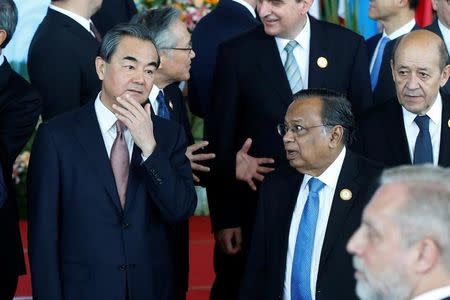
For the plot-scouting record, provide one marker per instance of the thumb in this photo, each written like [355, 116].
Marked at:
[247, 145]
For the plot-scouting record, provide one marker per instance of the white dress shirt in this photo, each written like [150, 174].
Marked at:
[445, 34]
[2, 58]
[326, 195]
[152, 98]
[77, 18]
[301, 52]
[399, 32]
[107, 121]
[436, 294]
[412, 130]
[248, 6]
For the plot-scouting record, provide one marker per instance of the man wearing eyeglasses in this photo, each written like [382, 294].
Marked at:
[441, 26]
[308, 209]
[174, 44]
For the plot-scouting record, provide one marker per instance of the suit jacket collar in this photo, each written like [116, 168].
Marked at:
[90, 137]
[318, 48]
[444, 147]
[5, 74]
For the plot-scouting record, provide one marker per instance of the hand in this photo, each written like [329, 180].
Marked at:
[249, 168]
[229, 240]
[138, 121]
[198, 157]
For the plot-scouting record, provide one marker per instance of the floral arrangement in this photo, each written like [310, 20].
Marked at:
[191, 10]
[20, 167]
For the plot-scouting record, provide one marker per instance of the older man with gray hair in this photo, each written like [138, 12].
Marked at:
[402, 248]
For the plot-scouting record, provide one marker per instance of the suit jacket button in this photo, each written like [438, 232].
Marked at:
[125, 225]
[123, 267]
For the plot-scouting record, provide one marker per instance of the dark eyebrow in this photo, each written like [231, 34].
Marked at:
[130, 58]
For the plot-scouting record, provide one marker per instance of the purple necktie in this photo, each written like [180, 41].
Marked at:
[94, 30]
[120, 162]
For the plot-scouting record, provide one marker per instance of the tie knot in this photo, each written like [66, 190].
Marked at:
[291, 46]
[120, 127]
[315, 185]
[384, 40]
[160, 97]
[423, 122]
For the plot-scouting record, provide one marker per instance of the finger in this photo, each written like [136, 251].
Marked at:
[118, 110]
[198, 167]
[265, 160]
[258, 177]
[147, 109]
[264, 170]
[202, 156]
[198, 145]
[196, 179]
[251, 184]
[246, 146]
[129, 104]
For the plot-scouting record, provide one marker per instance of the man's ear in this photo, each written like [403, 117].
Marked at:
[336, 136]
[3, 36]
[445, 75]
[100, 66]
[428, 254]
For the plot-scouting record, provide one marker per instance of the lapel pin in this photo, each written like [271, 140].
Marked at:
[171, 105]
[448, 123]
[322, 62]
[345, 194]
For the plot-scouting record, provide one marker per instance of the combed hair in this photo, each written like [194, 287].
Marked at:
[336, 110]
[442, 49]
[113, 37]
[426, 213]
[8, 19]
[158, 22]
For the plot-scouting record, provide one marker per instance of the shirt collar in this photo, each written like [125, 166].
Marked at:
[401, 31]
[331, 175]
[106, 118]
[77, 18]
[445, 33]
[248, 6]
[2, 58]
[435, 112]
[436, 294]
[303, 38]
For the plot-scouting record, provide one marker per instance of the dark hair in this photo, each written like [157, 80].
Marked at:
[113, 37]
[413, 4]
[158, 22]
[442, 49]
[8, 19]
[336, 110]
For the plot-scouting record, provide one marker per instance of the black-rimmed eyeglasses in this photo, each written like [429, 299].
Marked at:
[296, 129]
[189, 49]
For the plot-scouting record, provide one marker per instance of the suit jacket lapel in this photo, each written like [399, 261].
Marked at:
[340, 208]
[90, 137]
[270, 64]
[133, 177]
[444, 147]
[317, 49]
[395, 131]
[71, 25]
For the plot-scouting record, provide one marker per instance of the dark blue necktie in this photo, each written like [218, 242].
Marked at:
[304, 245]
[423, 151]
[3, 190]
[377, 63]
[163, 111]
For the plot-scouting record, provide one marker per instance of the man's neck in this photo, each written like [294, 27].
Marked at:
[397, 22]
[161, 81]
[75, 7]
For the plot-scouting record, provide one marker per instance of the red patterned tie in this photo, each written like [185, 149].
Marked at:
[94, 30]
[120, 162]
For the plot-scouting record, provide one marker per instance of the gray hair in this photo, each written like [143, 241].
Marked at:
[158, 22]
[426, 213]
[336, 110]
[8, 19]
[114, 36]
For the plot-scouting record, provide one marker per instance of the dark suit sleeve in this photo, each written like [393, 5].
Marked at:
[169, 179]
[360, 92]
[59, 84]
[43, 222]
[223, 204]
[254, 282]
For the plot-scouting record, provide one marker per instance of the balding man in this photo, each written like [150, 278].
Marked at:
[416, 127]
[402, 248]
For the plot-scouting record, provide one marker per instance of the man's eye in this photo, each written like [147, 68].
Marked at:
[298, 128]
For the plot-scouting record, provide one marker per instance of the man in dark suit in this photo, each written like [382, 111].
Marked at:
[112, 13]
[100, 228]
[252, 92]
[441, 26]
[397, 18]
[392, 133]
[229, 19]
[401, 250]
[19, 111]
[62, 54]
[173, 40]
[292, 255]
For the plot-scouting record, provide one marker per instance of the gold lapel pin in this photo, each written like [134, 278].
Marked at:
[448, 123]
[322, 62]
[171, 105]
[345, 194]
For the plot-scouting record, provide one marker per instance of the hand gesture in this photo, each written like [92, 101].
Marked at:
[229, 240]
[194, 158]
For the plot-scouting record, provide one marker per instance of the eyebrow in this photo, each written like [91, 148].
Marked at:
[133, 59]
